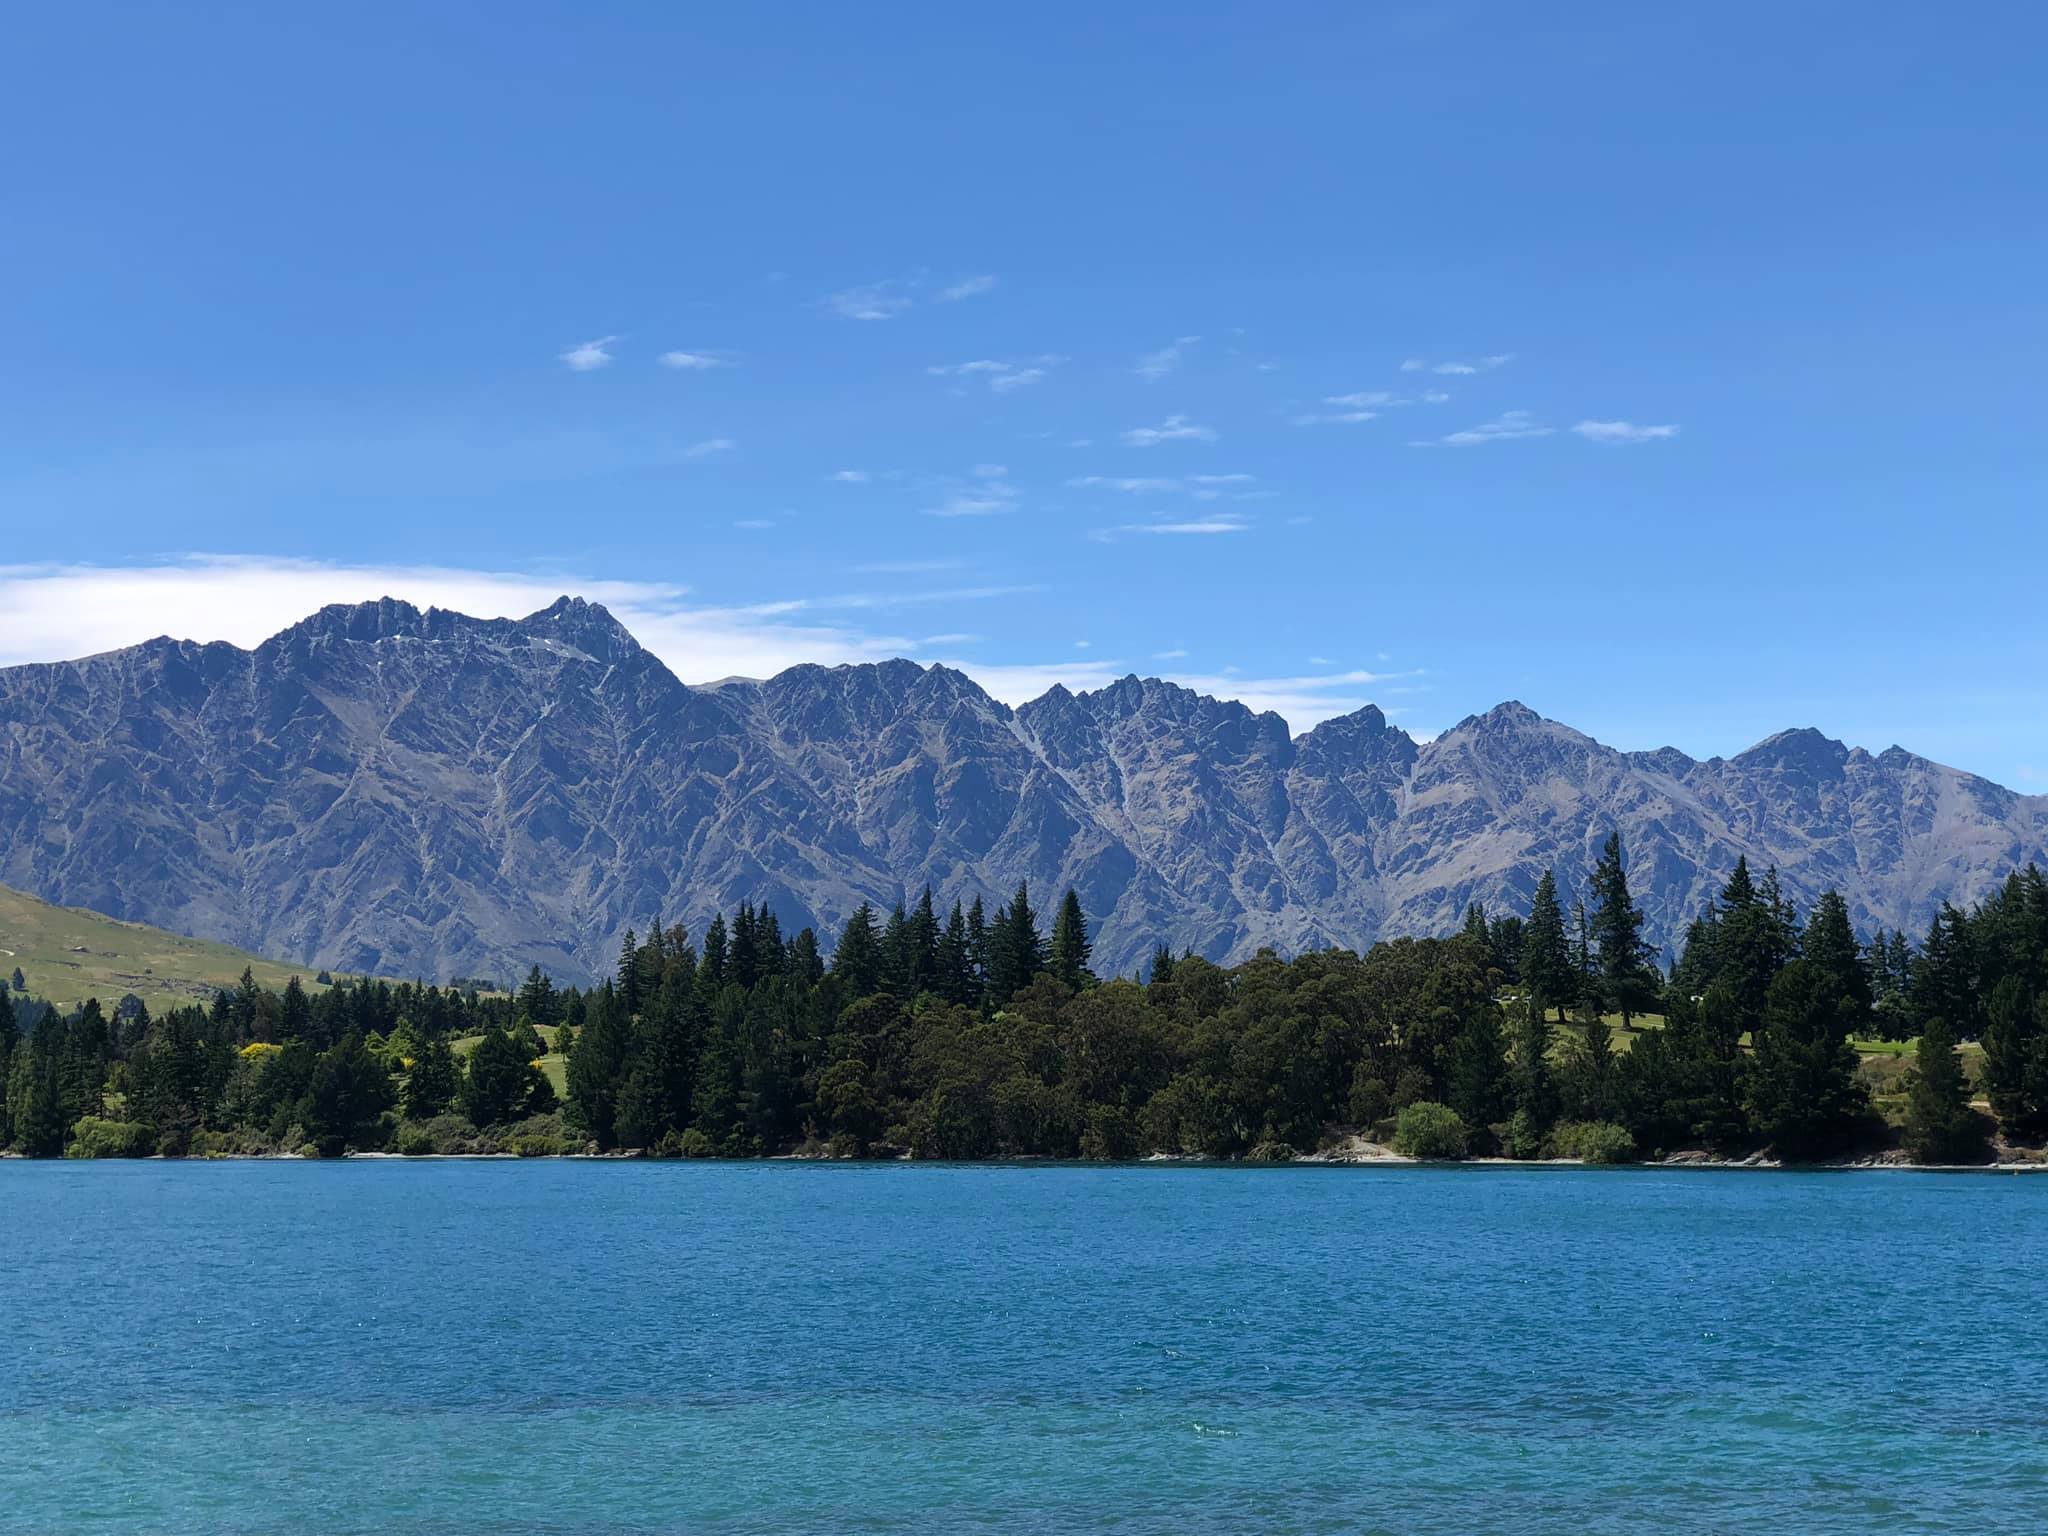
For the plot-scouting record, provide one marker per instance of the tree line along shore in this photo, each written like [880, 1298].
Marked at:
[978, 1034]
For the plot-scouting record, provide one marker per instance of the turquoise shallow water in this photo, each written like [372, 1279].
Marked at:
[628, 1348]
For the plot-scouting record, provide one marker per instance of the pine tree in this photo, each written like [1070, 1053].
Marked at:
[1070, 944]
[2016, 1060]
[857, 961]
[431, 1085]
[978, 951]
[346, 1099]
[711, 965]
[1586, 990]
[1945, 975]
[1940, 1125]
[494, 1092]
[537, 998]
[1546, 953]
[743, 961]
[1535, 1085]
[1016, 949]
[1804, 1094]
[1475, 926]
[294, 1013]
[898, 963]
[597, 1066]
[1830, 944]
[805, 967]
[924, 945]
[1627, 977]
[1477, 1082]
[1162, 963]
[954, 960]
[628, 979]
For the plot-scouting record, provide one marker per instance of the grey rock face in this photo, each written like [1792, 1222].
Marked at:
[381, 789]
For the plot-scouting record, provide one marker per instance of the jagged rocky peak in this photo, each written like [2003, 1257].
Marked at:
[1803, 750]
[588, 627]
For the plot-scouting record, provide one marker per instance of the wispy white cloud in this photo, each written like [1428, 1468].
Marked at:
[694, 362]
[872, 301]
[966, 288]
[1195, 528]
[1362, 399]
[1201, 487]
[587, 356]
[754, 522]
[709, 446]
[1332, 418]
[1622, 432]
[1157, 365]
[1434, 397]
[1174, 429]
[978, 495]
[850, 476]
[1483, 365]
[1508, 424]
[1002, 376]
[1173, 655]
[1084, 645]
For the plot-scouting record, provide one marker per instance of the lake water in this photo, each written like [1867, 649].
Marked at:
[477, 1348]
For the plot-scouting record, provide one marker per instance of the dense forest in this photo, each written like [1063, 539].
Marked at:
[976, 1035]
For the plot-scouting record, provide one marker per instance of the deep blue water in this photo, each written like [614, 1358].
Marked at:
[479, 1348]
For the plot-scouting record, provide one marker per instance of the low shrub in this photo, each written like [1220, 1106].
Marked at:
[1430, 1130]
[696, 1144]
[1270, 1152]
[1594, 1141]
[94, 1137]
[415, 1141]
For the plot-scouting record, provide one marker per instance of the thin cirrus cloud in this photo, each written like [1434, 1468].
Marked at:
[1192, 528]
[709, 446]
[588, 356]
[1157, 365]
[1623, 432]
[1002, 376]
[966, 288]
[983, 492]
[694, 362]
[872, 301]
[56, 612]
[1201, 487]
[1483, 365]
[1175, 429]
[1507, 425]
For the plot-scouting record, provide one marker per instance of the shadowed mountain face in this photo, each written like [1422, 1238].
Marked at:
[381, 789]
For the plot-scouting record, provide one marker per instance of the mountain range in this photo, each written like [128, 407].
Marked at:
[381, 789]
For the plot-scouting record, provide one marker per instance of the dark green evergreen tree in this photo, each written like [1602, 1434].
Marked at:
[1070, 944]
[1477, 1082]
[495, 1090]
[1805, 1098]
[1628, 980]
[1535, 1083]
[597, 1067]
[857, 961]
[1940, 1125]
[345, 1099]
[433, 1081]
[1547, 969]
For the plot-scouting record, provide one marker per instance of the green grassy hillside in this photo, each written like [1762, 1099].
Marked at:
[67, 954]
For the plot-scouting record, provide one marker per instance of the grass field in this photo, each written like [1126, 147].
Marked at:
[67, 954]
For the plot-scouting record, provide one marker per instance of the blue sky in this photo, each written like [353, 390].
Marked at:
[1676, 372]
